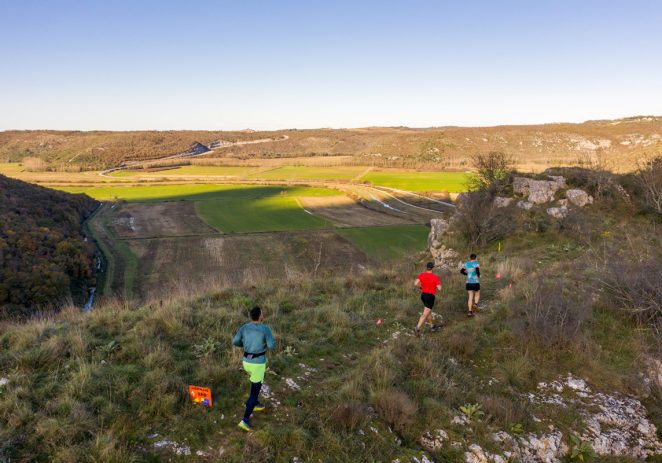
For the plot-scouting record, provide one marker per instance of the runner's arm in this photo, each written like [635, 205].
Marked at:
[271, 342]
[237, 340]
[463, 271]
[417, 283]
[478, 271]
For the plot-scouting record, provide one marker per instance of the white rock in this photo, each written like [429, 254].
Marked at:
[292, 384]
[538, 191]
[524, 205]
[4, 381]
[433, 442]
[557, 212]
[579, 197]
[501, 201]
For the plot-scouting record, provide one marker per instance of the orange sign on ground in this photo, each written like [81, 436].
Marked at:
[200, 395]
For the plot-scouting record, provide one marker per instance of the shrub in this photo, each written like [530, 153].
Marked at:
[492, 172]
[636, 288]
[649, 181]
[555, 313]
[480, 222]
[395, 408]
[349, 415]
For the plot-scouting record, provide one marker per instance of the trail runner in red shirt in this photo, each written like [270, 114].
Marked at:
[429, 284]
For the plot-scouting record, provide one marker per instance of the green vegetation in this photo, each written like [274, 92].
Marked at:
[453, 182]
[388, 243]
[272, 213]
[109, 385]
[44, 259]
[230, 171]
[310, 173]
[192, 192]
[8, 168]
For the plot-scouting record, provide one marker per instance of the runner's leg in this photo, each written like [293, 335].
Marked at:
[470, 302]
[426, 313]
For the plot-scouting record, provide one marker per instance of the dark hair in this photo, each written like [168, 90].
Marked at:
[430, 265]
[472, 256]
[255, 313]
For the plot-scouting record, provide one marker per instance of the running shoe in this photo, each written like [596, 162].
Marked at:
[470, 314]
[475, 308]
[434, 328]
[418, 332]
[245, 426]
[259, 408]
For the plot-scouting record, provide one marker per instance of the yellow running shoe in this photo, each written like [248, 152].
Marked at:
[259, 408]
[245, 426]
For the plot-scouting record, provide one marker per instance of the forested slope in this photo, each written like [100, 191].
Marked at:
[44, 259]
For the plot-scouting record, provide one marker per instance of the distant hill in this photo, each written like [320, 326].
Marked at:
[617, 144]
[44, 259]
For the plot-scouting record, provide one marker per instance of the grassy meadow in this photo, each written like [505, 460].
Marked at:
[453, 182]
[388, 243]
[111, 385]
[191, 192]
[272, 213]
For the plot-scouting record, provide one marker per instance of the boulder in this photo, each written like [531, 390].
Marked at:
[558, 212]
[538, 191]
[524, 205]
[501, 201]
[445, 258]
[461, 200]
[438, 228]
[579, 197]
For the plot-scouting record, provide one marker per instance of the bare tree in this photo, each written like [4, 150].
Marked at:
[480, 222]
[649, 179]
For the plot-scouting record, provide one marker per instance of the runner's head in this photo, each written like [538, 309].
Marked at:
[430, 266]
[473, 257]
[256, 314]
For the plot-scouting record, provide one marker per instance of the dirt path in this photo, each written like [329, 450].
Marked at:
[365, 172]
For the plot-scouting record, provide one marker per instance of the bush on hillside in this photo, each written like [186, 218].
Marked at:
[554, 313]
[480, 222]
[636, 288]
[492, 172]
[649, 182]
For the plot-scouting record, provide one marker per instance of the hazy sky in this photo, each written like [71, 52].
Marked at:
[145, 64]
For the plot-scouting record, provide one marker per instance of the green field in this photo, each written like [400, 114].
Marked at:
[220, 171]
[388, 243]
[8, 168]
[310, 173]
[272, 213]
[453, 182]
[193, 192]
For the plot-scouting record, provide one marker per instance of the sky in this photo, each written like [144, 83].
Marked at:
[222, 65]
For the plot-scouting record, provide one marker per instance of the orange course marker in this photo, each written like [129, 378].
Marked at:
[200, 395]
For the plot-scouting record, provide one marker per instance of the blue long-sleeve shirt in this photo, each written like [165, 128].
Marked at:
[255, 338]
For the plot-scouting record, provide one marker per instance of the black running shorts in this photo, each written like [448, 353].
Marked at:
[473, 286]
[428, 300]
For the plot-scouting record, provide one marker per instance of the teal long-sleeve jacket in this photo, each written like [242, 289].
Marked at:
[255, 338]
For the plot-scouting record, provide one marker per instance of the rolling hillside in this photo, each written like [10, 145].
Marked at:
[618, 144]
